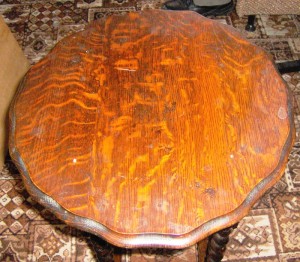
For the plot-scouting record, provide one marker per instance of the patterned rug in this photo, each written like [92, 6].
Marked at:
[29, 232]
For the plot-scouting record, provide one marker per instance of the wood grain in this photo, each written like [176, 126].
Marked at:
[152, 126]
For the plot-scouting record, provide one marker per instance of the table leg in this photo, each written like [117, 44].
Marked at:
[251, 23]
[117, 257]
[202, 247]
[118, 252]
[217, 244]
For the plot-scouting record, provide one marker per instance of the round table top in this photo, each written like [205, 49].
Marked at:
[154, 128]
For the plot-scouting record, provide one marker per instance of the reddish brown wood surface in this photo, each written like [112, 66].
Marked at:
[152, 126]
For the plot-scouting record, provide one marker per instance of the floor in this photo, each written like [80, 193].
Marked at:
[28, 232]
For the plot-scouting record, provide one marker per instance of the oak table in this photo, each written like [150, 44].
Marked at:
[152, 129]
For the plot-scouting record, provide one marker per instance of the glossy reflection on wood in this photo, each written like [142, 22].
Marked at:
[150, 127]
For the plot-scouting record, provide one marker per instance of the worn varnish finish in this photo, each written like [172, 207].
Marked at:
[155, 128]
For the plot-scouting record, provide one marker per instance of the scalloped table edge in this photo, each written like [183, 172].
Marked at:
[153, 240]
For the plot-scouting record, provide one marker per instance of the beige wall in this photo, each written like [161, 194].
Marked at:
[13, 66]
